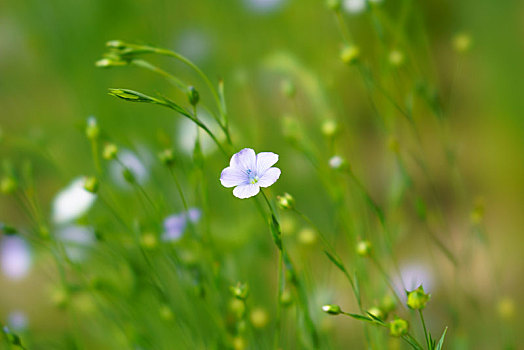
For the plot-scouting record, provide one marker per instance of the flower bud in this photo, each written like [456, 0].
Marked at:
[398, 327]
[110, 151]
[166, 313]
[167, 157]
[388, 304]
[307, 236]
[350, 54]
[8, 185]
[91, 184]
[396, 58]
[288, 88]
[364, 248]
[506, 308]
[149, 240]
[193, 96]
[286, 201]
[332, 309]
[418, 299]
[377, 312]
[92, 129]
[259, 317]
[334, 5]
[286, 298]
[240, 291]
[116, 44]
[462, 42]
[107, 62]
[329, 128]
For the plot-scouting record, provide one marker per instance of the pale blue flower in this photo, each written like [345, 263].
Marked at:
[247, 172]
[175, 225]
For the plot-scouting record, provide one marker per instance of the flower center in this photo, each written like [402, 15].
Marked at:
[252, 176]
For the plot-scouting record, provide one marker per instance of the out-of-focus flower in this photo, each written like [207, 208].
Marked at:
[354, 6]
[337, 162]
[414, 275]
[17, 320]
[247, 172]
[195, 44]
[72, 202]
[175, 225]
[264, 6]
[187, 134]
[15, 257]
[76, 240]
[133, 164]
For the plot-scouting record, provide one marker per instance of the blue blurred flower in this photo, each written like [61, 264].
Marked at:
[247, 172]
[15, 257]
[175, 225]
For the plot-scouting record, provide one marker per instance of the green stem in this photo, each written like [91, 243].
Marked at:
[428, 342]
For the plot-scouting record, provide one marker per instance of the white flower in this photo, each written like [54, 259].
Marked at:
[336, 162]
[133, 163]
[355, 6]
[76, 240]
[72, 202]
[15, 257]
[247, 172]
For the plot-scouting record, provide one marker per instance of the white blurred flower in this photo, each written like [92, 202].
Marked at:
[336, 162]
[15, 257]
[264, 6]
[133, 163]
[195, 44]
[17, 320]
[413, 275]
[72, 202]
[187, 134]
[354, 6]
[76, 240]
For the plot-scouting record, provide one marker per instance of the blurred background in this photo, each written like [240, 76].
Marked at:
[49, 86]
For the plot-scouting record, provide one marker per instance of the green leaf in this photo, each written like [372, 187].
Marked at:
[335, 260]
[441, 341]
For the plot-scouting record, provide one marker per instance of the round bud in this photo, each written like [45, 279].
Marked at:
[329, 128]
[364, 248]
[307, 236]
[398, 327]
[388, 303]
[332, 309]
[149, 240]
[377, 312]
[417, 299]
[259, 317]
[92, 129]
[350, 54]
[91, 184]
[396, 58]
[166, 313]
[240, 291]
[334, 5]
[110, 151]
[193, 96]
[167, 157]
[8, 185]
[286, 201]
[286, 298]
[462, 42]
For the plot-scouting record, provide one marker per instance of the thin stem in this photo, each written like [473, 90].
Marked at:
[428, 342]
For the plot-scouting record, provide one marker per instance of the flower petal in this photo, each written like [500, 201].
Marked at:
[232, 176]
[244, 160]
[269, 177]
[246, 191]
[265, 160]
